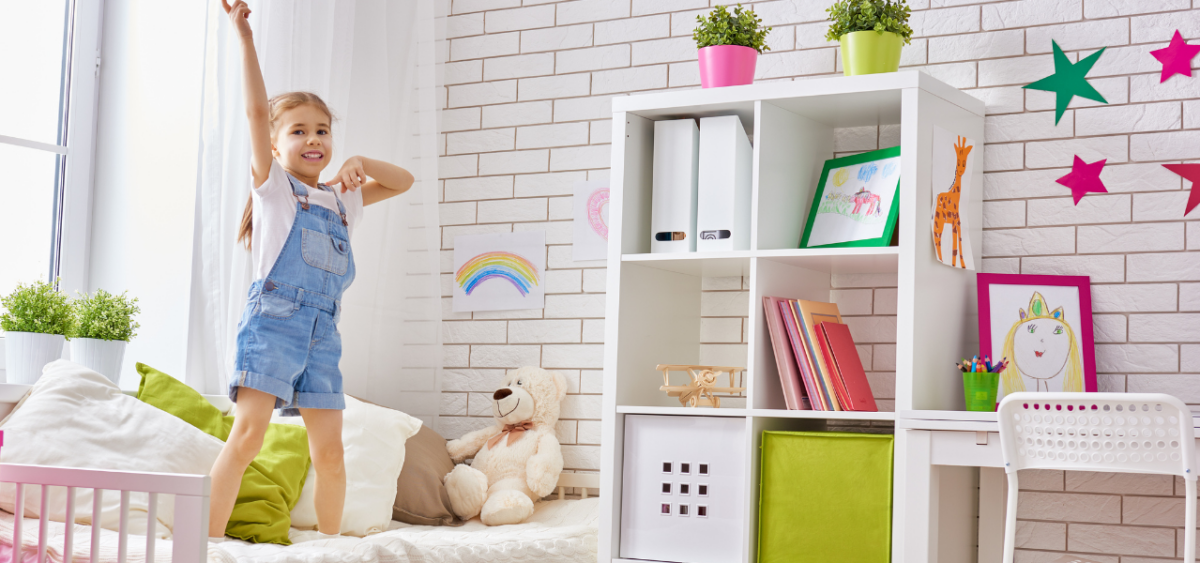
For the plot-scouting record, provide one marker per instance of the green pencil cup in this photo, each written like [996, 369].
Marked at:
[979, 390]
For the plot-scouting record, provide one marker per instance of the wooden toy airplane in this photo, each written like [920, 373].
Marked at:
[700, 392]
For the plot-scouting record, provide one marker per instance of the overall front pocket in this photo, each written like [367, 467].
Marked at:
[276, 306]
[325, 252]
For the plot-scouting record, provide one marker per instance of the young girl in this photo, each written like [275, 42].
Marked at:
[298, 230]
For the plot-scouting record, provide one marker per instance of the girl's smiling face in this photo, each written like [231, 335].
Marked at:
[303, 141]
[1042, 347]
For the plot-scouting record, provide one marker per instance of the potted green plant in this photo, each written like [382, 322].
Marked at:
[871, 33]
[35, 321]
[103, 326]
[729, 44]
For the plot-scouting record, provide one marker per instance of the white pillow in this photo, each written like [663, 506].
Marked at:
[75, 417]
[374, 439]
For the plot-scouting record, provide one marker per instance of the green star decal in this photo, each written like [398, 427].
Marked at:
[1069, 80]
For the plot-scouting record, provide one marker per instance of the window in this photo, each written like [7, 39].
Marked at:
[46, 138]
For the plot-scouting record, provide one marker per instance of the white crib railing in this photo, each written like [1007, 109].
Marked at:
[190, 534]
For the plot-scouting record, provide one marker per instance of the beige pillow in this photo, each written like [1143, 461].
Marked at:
[421, 497]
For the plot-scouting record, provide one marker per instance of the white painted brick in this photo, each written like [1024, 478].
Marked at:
[629, 79]
[1017, 70]
[514, 314]
[633, 29]
[566, 431]
[1127, 540]
[1128, 119]
[1137, 358]
[1078, 36]
[1003, 214]
[1111, 8]
[856, 139]
[1133, 298]
[949, 21]
[1191, 114]
[561, 281]
[457, 166]
[795, 63]
[541, 136]
[1163, 206]
[1163, 267]
[462, 26]
[1002, 99]
[852, 301]
[463, 72]
[560, 208]
[1041, 535]
[958, 75]
[1024, 13]
[975, 46]
[599, 175]
[783, 12]
[1093, 208]
[514, 162]
[723, 355]
[456, 213]
[518, 66]
[1042, 480]
[670, 50]
[509, 210]
[889, 135]
[554, 183]
[593, 330]
[474, 332]
[481, 46]
[1147, 88]
[521, 18]
[862, 280]
[453, 404]
[885, 301]
[577, 158]
[1027, 127]
[1175, 327]
[480, 404]
[601, 132]
[883, 357]
[1161, 27]
[449, 233]
[455, 356]
[487, 140]
[720, 330]
[781, 39]
[1069, 507]
[1047, 154]
[594, 281]
[586, 458]
[484, 187]
[1113, 90]
[872, 329]
[1001, 265]
[544, 331]
[682, 23]
[507, 356]
[483, 93]
[1003, 157]
[1026, 242]
[598, 107]
[556, 38]
[581, 406]
[1193, 236]
[589, 432]
[812, 35]
[464, 6]
[721, 283]
[1125, 60]
[591, 381]
[575, 306]
[581, 11]
[724, 303]
[557, 232]
[643, 7]
[549, 87]
[524, 113]
[452, 427]
[1189, 297]
[1178, 145]
[596, 58]
[459, 119]
[1109, 328]
[465, 380]
[573, 356]
[1189, 357]
[1136, 237]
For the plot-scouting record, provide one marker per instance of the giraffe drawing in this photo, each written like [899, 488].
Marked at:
[946, 210]
[869, 199]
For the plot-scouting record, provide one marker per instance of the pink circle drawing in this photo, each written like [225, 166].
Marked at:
[595, 205]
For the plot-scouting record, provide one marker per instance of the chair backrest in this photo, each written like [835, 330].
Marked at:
[1117, 432]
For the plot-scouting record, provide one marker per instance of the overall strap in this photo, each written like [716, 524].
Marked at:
[341, 208]
[300, 191]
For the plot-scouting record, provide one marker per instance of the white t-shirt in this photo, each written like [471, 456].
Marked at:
[275, 211]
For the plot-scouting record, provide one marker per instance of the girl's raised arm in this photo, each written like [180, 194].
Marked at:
[257, 109]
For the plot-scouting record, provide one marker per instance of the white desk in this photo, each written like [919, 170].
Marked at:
[936, 456]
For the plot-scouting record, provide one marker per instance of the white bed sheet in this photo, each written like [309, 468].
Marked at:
[560, 531]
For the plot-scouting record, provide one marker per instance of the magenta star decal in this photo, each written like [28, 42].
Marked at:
[1084, 178]
[1191, 173]
[1176, 58]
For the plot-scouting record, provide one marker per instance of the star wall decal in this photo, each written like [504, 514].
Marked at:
[1084, 178]
[1176, 58]
[1191, 173]
[1069, 80]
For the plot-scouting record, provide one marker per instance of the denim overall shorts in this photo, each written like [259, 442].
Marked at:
[288, 343]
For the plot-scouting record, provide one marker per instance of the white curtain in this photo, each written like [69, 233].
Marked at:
[377, 64]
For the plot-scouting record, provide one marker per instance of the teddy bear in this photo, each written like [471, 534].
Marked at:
[517, 459]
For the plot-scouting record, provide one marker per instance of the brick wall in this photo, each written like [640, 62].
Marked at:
[528, 93]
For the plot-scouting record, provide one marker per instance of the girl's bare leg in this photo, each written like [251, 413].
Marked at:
[245, 440]
[325, 447]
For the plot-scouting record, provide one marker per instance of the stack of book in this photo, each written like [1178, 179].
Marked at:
[816, 357]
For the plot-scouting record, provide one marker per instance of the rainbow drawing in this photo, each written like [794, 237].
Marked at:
[595, 205]
[497, 265]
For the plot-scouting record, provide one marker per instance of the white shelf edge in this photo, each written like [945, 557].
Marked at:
[971, 416]
[680, 411]
[768, 253]
[664, 256]
[828, 415]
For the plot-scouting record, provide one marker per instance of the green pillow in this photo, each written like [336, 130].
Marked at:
[271, 485]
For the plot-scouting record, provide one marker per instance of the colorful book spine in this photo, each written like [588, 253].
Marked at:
[789, 372]
[817, 394]
[839, 385]
[813, 350]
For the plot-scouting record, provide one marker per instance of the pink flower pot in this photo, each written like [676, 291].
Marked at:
[727, 65]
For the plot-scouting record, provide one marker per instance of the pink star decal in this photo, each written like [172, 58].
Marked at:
[1084, 178]
[1191, 173]
[1176, 58]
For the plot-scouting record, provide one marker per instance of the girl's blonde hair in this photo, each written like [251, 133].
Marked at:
[278, 105]
[1073, 378]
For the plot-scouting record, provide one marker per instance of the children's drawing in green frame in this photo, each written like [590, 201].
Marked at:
[855, 203]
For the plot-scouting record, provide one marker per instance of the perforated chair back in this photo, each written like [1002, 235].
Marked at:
[1112, 432]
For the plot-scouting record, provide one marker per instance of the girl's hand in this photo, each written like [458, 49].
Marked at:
[351, 176]
[238, 14]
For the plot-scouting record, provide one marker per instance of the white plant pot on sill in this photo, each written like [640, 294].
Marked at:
[26, 353]
[101, 356]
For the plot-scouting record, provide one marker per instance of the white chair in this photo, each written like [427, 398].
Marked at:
[1115, 432]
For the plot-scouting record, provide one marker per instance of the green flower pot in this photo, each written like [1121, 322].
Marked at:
[979, 390]
[870, 52]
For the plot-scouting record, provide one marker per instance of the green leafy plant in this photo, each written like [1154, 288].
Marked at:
[879, 16]
[722, 27]
[105, 316]
[38, 307]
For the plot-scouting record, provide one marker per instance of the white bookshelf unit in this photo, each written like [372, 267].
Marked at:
[653, 301]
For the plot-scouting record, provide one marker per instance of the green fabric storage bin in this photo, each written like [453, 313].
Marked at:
[825, 497]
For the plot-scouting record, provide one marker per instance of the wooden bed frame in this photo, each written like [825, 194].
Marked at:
[190, 537]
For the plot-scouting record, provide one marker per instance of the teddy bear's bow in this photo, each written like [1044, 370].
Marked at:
[514, 432]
